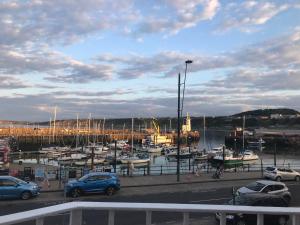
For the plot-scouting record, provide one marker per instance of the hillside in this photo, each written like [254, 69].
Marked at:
[267, 112]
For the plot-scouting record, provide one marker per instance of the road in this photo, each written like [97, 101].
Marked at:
[191, 194]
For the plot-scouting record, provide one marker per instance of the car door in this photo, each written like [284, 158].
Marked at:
[289, 174]
[277, 189]
[8, 189]
[91, 184]
[103, 182]
[282, 173]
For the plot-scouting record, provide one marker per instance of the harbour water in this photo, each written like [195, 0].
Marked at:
[160, 164]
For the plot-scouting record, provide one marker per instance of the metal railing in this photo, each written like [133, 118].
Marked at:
[75, 211]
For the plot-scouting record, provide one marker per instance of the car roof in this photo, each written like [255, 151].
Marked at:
[6, 177]
[279, 167]
[102, 173]
[269, 182]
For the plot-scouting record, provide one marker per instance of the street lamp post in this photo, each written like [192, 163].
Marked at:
[178, 131]
[179, 115]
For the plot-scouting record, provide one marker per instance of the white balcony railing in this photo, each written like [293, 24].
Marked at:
[75, 210]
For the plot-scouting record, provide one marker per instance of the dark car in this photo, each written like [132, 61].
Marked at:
[257, 199]
[96, 182]
[12, 188]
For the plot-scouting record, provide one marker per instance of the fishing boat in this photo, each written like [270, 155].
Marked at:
[227, 159]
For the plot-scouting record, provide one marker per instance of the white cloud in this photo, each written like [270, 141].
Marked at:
[185, 14]
[60, 20]
[247, 16]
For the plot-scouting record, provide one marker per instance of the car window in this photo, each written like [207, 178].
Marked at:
[5, 183]
[268, 188]
[255, 186]
[104, 177]
[92, 178]
[277, 187]
[288, 170]
[281, 169]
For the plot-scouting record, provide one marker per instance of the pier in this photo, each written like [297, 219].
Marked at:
[44, 135]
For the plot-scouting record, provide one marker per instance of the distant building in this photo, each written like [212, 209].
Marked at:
[187, 127]
[280, 116]
[276, 116]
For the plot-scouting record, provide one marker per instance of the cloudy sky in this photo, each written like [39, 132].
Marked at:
[122, 58]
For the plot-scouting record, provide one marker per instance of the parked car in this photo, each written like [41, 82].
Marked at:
[268, 187]
[279, 174]
[12, 187]
[96, 182]
[256, 199]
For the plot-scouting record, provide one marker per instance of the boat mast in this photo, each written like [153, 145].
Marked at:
[89, 129]
[204, 134]
[103, 127]
[50, 130]
[244, 133]
[54, 120]
[132, 135]
[77, 131]
[123, 132]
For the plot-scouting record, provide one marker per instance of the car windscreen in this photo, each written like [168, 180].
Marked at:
[84, 177]
[18, 181]
[270, 168]
[255, 186]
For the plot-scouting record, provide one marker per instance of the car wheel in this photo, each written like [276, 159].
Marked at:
[278, 179]
[110, 191]
[76, 192]
[297, 178]
[282, 220]
[25, 195]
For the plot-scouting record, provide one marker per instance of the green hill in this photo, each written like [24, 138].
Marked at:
[267, 112]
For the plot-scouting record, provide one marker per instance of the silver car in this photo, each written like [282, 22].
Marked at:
[282, 173]
[268, 187]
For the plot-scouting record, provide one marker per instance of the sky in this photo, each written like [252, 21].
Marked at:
[121, 59]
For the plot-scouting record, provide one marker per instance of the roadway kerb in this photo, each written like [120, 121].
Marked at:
[168, 180]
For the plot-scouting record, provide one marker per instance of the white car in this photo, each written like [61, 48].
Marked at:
[279, 174]
[268, 187]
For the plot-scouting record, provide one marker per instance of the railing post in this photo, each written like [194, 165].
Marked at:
[260, 219]
[148, 217]
[39, 221]
[295, 219]
[193, 167]
[111, 217]
[186, 218]
[222, 218]
[76, 217]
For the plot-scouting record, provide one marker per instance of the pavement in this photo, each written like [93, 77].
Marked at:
[160, 180]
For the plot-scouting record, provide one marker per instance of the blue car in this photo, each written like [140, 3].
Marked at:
[12, 188]
[96, 182]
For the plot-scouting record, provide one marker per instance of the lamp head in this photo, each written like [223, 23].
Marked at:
[188, 61]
